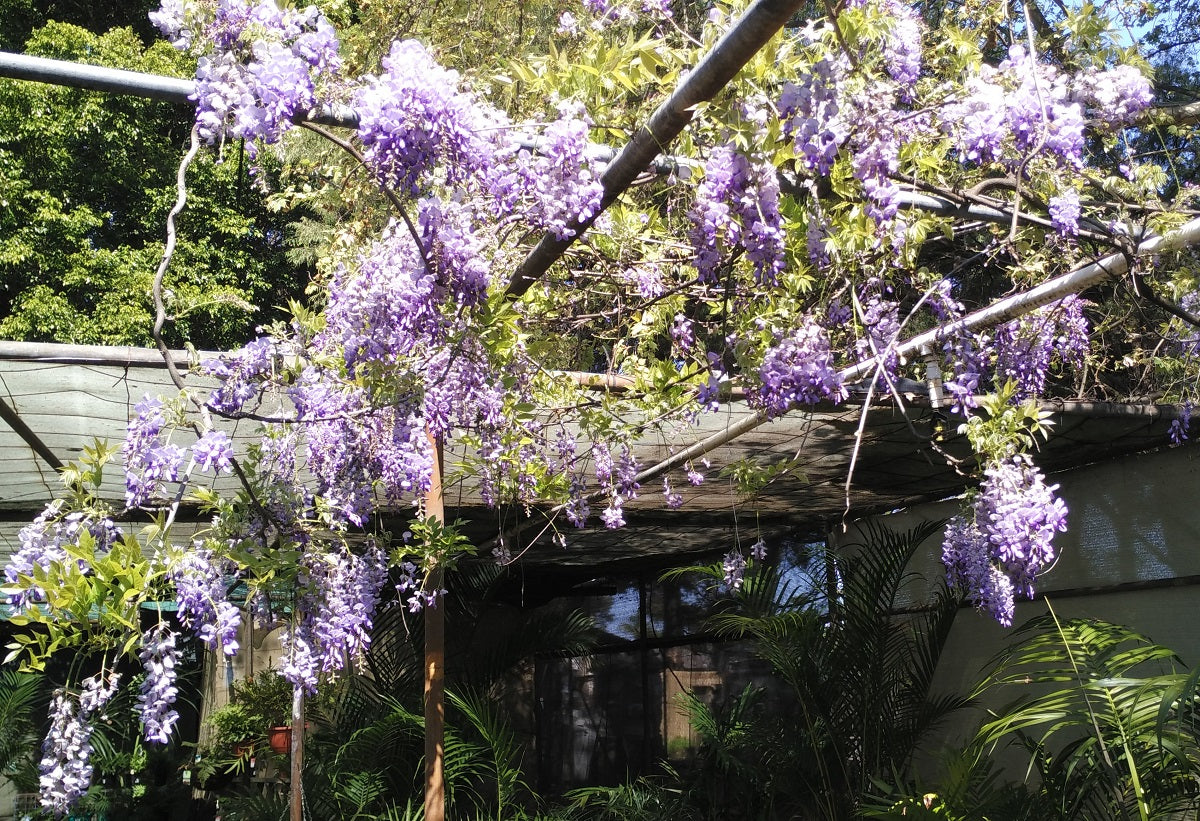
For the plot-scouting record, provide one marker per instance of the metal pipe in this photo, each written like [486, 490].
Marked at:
[182, 92]
[1005, 309]
[135, 83]
[96, 78]
[14, 420]
[756, 26]
[56, 353]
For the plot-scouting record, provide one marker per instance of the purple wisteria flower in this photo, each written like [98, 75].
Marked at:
[213, 451]
[577, 509]
[338, 594]
[1027, 347]
[1024, 105]
[672, 497]
[201, 592]
[560, 181]
[413, 118]
[265, 69]
[240, 373]
[1064, 212]
[881, 321]
[1115, 96]
[613, 516]
[65, 771]
[798, 371]
[160, 658]
[809, 111]
[758, 550]
[44, 542]
[1180, 424]
[996, 549]
[737, 205]
[149, 462]
[734, 567]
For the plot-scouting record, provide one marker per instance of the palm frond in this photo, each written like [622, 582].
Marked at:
[1109, 739]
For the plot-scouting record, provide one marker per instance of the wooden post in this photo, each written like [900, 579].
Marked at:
[435, 657]
[297, 785]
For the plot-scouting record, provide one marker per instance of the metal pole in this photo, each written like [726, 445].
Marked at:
[435, 661]
[182, 92]
[135, 83]
[1003, 310]
[756, 26]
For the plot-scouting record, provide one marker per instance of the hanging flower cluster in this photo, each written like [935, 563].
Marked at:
[798, 371]
[338, 594]
[1023, 106]
[46, 541]
[996, 550]
[66, 765]
[268, 64]
[737, 207]
[160, 660]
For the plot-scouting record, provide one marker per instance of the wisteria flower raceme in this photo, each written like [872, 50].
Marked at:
[265, 67]
[213, 451]
[798, 371]
[810, 116]
[996, 549]
[44, 543]
[737, 205]
[734, 567]
[1026, 348]
[200, 591]
[413, 118]
[881, 321]
[160, 658]
[65, 771]
[338, 594]
[613, 515]
[560, 181]
[1064, 212]
[240, 374]
[1023, 105]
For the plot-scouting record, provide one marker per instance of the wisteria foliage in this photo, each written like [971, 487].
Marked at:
[778, 252]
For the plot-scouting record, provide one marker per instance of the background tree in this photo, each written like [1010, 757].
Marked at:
[88, 179]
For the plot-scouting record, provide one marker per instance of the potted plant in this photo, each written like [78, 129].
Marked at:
[279, 738]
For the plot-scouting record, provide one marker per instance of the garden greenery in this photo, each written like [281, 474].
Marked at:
[781, 249]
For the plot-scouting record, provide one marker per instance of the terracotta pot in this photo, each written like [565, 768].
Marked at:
[280, 739]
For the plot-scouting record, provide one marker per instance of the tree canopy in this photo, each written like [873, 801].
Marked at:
[88, 180]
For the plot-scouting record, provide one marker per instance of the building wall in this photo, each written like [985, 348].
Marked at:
[1131, 556]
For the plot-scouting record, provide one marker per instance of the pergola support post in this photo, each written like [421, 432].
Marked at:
[435, 660]
[297, 764]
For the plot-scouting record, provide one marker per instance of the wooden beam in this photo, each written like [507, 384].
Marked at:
[14, 420]
[297, 769]
[435, 661]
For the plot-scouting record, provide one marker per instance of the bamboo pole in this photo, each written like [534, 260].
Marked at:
[435, 660]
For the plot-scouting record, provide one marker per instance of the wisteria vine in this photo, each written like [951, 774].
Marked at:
[792, 257]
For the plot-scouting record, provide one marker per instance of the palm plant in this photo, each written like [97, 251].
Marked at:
[22, 698]
[857, 678]
[1115, 737]
[646, 799]
[1103, 719]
